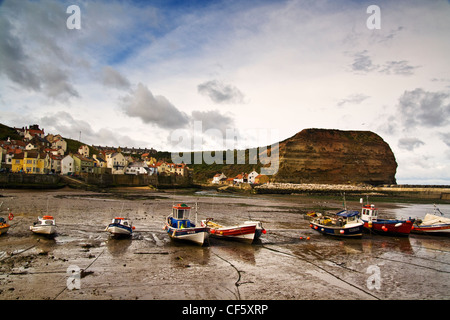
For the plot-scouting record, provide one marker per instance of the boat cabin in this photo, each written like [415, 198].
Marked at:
[45, 220]
[346, 217]
[121, 221]
[369, 213]
[180, 216]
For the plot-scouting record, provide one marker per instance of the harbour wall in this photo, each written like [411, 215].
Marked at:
[85, 180]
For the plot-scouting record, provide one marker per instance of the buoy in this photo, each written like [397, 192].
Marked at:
[342, 231]
[307, 238]
[264, 231]
[316, 227]
[310, 225]
[301, 238]
[322, 229]
[398, 224]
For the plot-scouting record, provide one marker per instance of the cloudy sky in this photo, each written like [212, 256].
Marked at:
[138, 72]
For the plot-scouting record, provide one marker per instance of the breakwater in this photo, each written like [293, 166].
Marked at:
[416, 191]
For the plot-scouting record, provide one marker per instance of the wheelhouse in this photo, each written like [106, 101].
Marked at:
[369, 213]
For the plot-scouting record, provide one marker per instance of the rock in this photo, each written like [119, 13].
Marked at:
[335, 157]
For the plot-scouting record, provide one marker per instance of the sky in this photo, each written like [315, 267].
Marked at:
[247, 73]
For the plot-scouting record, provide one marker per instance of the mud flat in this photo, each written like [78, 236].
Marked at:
[151, 266]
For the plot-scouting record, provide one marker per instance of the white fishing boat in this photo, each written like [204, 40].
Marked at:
[120, 227]
[45, 225]
[178, 226]
[433, 224]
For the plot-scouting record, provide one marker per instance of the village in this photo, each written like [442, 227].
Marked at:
[251, 178]
[38, 153]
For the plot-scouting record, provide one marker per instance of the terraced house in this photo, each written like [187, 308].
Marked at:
[29, 162]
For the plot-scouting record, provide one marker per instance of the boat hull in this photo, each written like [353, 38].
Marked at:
[196, 235]
[119, 230]
[239, 233]
[352, 231]
[44, 229]
[432, 229]
[4, 229]
[389, 227]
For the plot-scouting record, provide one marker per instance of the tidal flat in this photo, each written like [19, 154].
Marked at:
[290, 262]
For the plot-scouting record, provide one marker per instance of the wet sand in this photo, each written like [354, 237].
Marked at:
[151, 266]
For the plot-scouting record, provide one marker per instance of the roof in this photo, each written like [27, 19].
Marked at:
[347, 213]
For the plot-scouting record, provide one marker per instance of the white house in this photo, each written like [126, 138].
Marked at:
[241, 178]
[251, 176]
[137, 168]
[216, 179]
[116, 161]
[67, 165]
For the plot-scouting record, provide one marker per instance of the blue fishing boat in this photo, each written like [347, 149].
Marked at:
[345, 223]
[178, 226]
[120, 227]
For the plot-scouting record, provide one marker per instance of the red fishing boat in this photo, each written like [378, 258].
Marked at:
[243, 232]
[369, 214]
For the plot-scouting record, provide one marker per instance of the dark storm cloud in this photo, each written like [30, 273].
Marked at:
[31, 56]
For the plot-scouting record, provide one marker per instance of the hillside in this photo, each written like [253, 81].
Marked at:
[336, 156]
[322, 156]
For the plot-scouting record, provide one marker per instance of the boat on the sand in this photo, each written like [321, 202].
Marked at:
[432, 224]
[4, 225]
[243, 232]
[179, 227]
[120, 227]
[397, 227]
[345, 223]
[45, 225]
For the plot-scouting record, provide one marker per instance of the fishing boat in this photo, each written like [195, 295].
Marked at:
[120, 227]
[345, 223]
[432, 224]
[243, 232]
[259, 228]
[4, 225]
[45, 225]
[178, 226]
[397, 227]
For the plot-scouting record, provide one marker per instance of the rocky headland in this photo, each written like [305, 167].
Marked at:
[325, 156]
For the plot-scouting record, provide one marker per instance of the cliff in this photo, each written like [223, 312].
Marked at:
[336, 157]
